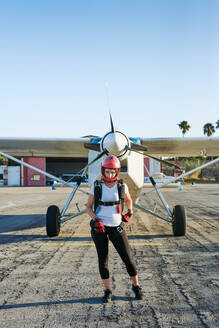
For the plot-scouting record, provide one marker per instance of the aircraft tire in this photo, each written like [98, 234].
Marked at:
[179, 223]
[52, 221]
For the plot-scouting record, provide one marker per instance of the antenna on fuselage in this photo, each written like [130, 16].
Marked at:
[108, 104]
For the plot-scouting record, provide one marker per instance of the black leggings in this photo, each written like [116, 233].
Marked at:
[119, 239]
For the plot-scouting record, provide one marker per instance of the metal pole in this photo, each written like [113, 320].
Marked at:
[185, 174]
[159, 193]
[36, 169]
[22, 172]
[73, 216]
[69, 200]
[153, 213]
[71, 196]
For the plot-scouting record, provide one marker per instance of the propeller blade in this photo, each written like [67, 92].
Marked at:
[108, 103]
[111, 121]
[138, 147]
[155, 158]
[92, 146]
[163, 161]
[104, 152]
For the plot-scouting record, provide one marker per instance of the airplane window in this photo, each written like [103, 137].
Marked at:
[123, 168]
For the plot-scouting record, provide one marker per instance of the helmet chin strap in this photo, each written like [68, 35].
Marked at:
[110, 180]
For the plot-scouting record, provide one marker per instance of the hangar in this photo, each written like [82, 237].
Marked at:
[58, 166]
[52, 155]
[22, 176]
[61, 159]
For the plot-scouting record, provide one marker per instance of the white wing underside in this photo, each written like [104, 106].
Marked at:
[176, 147]
[161, 147]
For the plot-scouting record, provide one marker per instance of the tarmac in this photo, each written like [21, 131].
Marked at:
[54, 282]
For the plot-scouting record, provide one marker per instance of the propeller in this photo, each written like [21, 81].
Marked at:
[104, 152]
[97, 147]
[163, 161]
[92, 146]
[108, 105]
[138, 147]
[141, 147]
[111, 121]
[117, 143]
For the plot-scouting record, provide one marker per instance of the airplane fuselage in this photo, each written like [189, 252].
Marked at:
[132, 163]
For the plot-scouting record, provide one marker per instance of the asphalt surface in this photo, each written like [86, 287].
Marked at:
[54, 282]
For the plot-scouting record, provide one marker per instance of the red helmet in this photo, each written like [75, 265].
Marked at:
[110, 162]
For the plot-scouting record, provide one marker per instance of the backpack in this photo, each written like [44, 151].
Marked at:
[98, 194]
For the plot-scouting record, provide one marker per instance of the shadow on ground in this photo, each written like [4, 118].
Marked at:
[6, 238]
[9, 223]
[90, 300]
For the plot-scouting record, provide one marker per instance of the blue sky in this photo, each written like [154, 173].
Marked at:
[160, 58]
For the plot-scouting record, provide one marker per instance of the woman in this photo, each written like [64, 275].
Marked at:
[106, 224]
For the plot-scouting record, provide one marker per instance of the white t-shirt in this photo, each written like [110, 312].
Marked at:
[109, 214]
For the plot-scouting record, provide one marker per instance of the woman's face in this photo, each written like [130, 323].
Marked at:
[110, 173]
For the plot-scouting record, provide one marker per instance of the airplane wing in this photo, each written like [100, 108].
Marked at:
[165, 147]
[39, 147]
[176, 147]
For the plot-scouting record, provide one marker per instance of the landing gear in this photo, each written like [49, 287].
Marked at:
[179, 221]
[53, 221]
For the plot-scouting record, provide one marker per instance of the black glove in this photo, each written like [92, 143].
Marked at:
[126, 217]
[97, 225]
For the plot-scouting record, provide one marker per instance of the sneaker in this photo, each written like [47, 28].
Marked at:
[107, 296]
[138, 292]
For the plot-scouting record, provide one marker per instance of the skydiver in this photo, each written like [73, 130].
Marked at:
[107, 222]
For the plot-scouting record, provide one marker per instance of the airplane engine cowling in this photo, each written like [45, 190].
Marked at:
[116, 143]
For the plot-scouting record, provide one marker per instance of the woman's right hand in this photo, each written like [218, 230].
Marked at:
[97, 225]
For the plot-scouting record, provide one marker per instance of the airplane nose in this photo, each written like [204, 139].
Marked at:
[115, 143]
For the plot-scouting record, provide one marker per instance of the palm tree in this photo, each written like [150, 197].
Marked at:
[217, 124]
[208, 129]
[184, 126]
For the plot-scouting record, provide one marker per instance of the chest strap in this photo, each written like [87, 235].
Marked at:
[117, 202]
[98, 194]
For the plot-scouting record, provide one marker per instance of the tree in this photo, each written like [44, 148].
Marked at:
[208, 129]
[184, 126]
[217, 124]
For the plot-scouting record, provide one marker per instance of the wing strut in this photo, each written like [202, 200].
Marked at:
[67, 183]
[38, 170]
[185, 174]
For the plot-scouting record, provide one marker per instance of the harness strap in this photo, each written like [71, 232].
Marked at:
[98, 194]
[121, 190]
[117, 202]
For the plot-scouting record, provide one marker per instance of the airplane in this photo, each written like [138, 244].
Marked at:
[131, 153]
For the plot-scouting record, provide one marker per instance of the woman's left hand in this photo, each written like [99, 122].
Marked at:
[126, 217]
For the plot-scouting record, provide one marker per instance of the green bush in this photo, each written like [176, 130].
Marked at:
[192, 163]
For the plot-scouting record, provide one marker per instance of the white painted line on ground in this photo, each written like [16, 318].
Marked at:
[10, 204]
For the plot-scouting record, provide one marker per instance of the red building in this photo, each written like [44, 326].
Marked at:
[31, 177]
